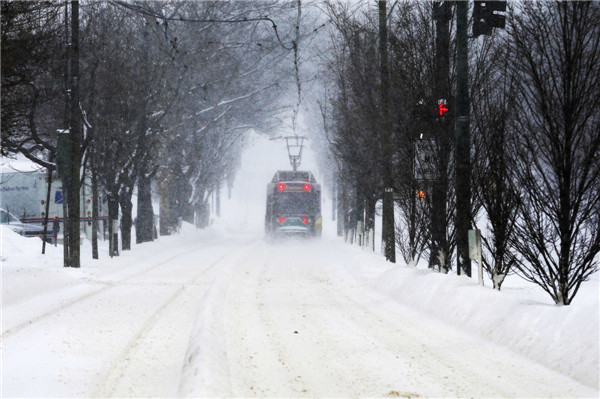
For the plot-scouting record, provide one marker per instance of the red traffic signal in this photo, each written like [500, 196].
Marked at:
[442, 107]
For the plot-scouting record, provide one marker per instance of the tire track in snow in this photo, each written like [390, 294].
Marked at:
[301, 327]
[310, 341]
[267, 325]
[124, 361]
[208, 342]
[106, 285]
[255, 354]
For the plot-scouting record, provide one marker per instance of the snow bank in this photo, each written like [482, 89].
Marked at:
[562, 338]
[34, 273]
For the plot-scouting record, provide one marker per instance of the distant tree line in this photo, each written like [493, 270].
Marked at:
[535, 150]
[167, 91]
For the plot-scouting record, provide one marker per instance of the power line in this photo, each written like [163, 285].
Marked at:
[150, 13]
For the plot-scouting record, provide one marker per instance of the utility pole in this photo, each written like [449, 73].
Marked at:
[63, 143]
[463, 141]
[388, 239]
[49, 189]
[439, 259]
[76, 138]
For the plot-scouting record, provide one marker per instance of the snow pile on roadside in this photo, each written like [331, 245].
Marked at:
[34, 273]
[562, 338]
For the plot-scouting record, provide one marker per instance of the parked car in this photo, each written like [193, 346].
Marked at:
[27, 230]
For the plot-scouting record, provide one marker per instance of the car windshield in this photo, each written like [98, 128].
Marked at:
[6, 217]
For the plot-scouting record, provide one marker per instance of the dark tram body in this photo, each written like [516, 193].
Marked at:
[293, 205]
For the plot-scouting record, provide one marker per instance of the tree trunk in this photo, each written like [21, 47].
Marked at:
[333, 198]
[113, 218]
[218, 197]
[145, 213]
[359, 206]
[412, 228]
[202, 215]
[126, 210]
[439, 258]
[370, 221]
[164, 206]
[340, 209]
[95, 211]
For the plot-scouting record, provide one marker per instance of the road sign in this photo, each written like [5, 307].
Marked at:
[58, 196]
[425, 167]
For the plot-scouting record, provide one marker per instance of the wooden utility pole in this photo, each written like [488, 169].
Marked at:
[388, 239]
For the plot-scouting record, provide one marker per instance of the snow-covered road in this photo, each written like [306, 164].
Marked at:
[294, 322]
[236, 316]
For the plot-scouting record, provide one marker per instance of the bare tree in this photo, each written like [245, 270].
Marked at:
[557, 54]
[422, 75]
[32, 59]
[354, 125]
[413, 66]
[494, 105]
[202, 134]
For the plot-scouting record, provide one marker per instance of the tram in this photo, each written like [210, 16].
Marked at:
[293, 205]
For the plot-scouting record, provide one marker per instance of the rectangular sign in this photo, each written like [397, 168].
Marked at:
[474, 244]
[425, 167]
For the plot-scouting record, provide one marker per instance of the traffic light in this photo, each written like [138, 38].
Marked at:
[484, 18]
[442, 107]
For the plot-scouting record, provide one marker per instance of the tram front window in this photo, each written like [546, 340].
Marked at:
[295, 203]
